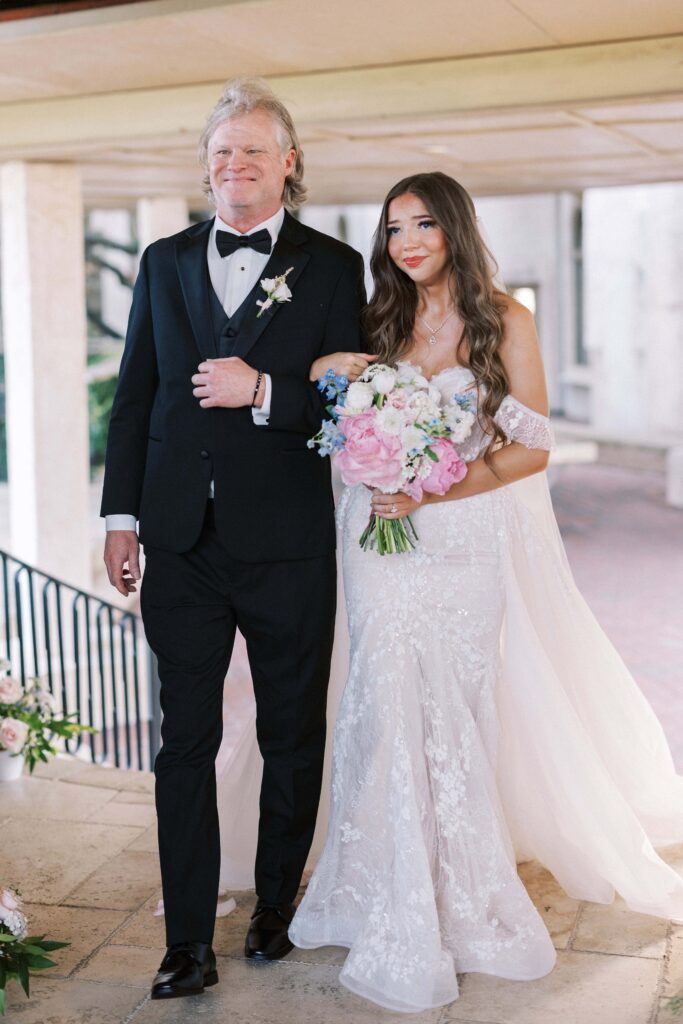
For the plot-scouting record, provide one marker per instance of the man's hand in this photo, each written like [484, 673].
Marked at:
[122, 547]
[227, 383]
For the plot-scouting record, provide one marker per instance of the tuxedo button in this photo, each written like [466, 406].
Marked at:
[230, 333]
[204, 454]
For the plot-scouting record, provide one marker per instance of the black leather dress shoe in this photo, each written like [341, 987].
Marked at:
[186, 970]
[267, 938]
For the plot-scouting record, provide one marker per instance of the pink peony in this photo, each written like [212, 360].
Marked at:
[10, 690]
[413, 488]
[370, 456]
[449, 470]
[13, 735]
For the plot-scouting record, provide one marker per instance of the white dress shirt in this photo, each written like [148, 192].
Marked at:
[232, 278]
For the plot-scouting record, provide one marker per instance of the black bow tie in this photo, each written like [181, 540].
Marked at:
[227, 243]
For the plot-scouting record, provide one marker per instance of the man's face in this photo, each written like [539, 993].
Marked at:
[247, 167]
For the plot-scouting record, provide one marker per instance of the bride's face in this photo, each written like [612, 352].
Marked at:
[416, 243]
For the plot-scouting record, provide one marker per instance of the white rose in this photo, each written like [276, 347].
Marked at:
[268, 283]
[390, 420]
[413, 437]
[384, 382]
[423, 406]
[44, 700]
[15, 921]
[434, 394]
[13, 734]
[459, 423]
[10, 690]
[359, 397]
[405, 372]
[282, 293]
[408, 374]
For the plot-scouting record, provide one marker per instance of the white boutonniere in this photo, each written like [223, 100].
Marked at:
[276, 290]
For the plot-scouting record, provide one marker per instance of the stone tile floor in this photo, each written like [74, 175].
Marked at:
[81, 841]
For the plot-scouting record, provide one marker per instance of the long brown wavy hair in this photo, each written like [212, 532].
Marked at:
[389, 318]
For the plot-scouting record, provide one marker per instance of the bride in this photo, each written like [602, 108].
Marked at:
[486, 719]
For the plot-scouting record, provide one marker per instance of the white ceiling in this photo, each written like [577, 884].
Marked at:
[507, 96]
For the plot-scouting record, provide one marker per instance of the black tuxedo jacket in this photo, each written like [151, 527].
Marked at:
[273, 498]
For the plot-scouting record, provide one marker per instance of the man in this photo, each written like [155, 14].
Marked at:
[207, 448]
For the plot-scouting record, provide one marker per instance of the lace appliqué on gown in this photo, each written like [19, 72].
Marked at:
[486, 718]
[418, 874]
[523, 425]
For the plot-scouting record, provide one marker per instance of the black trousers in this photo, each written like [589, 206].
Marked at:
[191, 606]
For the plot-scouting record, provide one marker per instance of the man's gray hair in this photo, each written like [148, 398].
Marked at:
[241, 96]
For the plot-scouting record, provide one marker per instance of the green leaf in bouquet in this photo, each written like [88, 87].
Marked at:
[49, 945]
[2, 1001]
[431, 455]
[7, 937]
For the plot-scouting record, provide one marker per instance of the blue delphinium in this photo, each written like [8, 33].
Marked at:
[329, 438]
[335, 388]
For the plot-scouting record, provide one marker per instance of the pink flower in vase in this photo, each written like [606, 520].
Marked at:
[10, 690]
[13, 735]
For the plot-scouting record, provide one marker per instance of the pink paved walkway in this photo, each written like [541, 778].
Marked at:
[626, 550]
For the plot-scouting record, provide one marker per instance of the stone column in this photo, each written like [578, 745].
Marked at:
[158, 218]
[44, 327]
[633, 313]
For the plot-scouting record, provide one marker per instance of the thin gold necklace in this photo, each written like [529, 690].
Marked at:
[432, 339]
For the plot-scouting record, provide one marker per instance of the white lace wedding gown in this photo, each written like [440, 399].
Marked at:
[486, 719]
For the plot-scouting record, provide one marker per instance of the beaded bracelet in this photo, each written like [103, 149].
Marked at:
[256, 389]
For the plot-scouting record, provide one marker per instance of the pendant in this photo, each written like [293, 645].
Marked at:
[432, 339]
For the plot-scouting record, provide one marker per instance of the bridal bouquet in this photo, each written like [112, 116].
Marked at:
[29, 720]
[391, 429]
[20, 953]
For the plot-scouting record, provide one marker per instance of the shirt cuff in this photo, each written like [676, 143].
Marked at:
[119, 522]
[261, 416]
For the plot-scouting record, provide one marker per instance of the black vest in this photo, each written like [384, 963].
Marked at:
[227, 328]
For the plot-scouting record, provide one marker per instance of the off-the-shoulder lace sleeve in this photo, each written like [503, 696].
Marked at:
[524, 425]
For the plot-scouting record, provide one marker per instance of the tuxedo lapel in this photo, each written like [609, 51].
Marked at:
[287, 252]
[194, 281]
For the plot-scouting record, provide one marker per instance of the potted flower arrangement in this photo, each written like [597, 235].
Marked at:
[29, 722]
[20, 953]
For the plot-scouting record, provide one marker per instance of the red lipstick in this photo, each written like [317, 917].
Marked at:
[414, 261]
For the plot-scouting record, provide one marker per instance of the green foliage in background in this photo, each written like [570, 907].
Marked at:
[100, 398]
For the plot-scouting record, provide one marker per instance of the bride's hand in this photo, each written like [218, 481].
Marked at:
[384, 504]
[350, 364]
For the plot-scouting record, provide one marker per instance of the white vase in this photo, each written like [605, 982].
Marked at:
[11, 766]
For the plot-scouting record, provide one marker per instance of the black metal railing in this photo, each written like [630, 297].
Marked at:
[90, 655]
